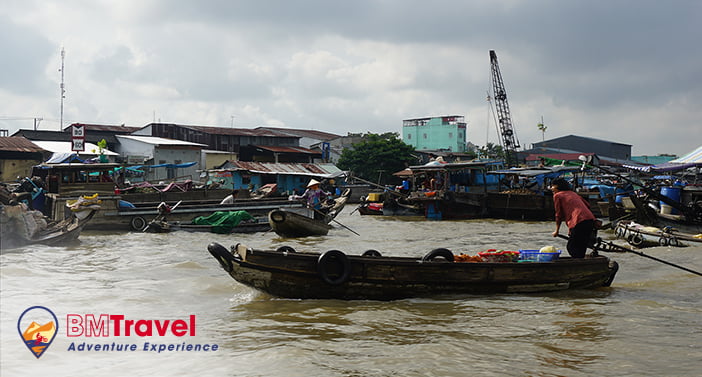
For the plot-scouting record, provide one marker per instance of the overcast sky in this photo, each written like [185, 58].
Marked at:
[626, 71]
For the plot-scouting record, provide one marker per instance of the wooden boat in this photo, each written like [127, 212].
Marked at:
[53, 234]
[336, 275]
[302, 222]
[253, 225]
[370, 208]
[645, 236]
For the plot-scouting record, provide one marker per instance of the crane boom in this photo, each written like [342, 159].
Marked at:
[510, 143]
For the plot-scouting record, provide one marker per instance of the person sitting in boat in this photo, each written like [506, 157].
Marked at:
[229, 199]
[314, 197]
[575, 211]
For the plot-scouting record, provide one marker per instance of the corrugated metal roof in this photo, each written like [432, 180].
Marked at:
[18, 144]
[227, 130]
[153, 140]
[312, 134]
[317, 170]
[104, 127]
[279, 149]
[557, 156]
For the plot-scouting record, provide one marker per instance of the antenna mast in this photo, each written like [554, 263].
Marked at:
[63, 87]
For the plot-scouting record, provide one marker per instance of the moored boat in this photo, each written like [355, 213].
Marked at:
[306, 222]
[19, 227]
[334, 274]
[645, 236]
[222, 222]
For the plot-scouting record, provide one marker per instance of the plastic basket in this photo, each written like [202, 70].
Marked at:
[494, 256]
[537, 256]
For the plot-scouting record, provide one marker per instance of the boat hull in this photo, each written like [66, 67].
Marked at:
[63, 232]
[290, 224]
[335, 275]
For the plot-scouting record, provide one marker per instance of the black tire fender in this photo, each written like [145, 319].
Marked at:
[635, 239]
[137, 223]
[663, 241]
[440, 252]
[285, 249]
[223, 256]
[371, 253]
[338, 262]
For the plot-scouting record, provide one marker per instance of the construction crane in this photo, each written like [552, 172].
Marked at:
[510, 143]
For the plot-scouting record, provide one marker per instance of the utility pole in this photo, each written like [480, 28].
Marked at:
[63, 87]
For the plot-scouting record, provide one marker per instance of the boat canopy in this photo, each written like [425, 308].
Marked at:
[690, 160]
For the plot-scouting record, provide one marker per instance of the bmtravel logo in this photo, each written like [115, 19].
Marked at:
[89, 333]
[37, 326]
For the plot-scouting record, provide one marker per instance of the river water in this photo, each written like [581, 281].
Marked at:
[649, 323]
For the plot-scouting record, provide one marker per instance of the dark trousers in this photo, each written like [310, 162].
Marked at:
[580, 236]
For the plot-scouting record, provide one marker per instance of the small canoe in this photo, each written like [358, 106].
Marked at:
[334, 274]
[287, 223]
[293, 223]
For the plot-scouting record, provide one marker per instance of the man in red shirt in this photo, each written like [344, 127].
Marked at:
[575, 211]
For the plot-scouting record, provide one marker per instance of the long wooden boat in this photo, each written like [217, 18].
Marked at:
[64, 231]
[302, 223]
[334, 274]
[255, 226]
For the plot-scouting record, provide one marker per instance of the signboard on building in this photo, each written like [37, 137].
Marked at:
[78, 145]
[78, 138]
[135, 159]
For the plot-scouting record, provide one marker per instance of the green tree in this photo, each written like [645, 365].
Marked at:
[377, 157]
[491, 151]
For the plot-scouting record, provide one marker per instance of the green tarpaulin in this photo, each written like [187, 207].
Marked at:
[223, 221]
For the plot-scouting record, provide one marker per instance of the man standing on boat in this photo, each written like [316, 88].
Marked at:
[314, 197]
[575, 211]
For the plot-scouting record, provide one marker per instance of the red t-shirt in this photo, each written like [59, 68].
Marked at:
[571, 208]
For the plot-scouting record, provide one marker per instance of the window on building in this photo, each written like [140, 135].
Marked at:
[425, 135]
[409, 136]
[450, 135]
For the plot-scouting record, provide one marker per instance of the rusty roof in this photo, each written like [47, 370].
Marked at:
[291, 168]
[228, 130]
[18, 144]
[312, 134]
[104, 127]
[279, 149]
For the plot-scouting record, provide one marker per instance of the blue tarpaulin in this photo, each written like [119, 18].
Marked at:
[185, 165]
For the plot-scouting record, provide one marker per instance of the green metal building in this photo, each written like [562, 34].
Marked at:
[433, 133]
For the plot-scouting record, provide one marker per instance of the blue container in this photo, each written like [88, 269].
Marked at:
[537, 256]
[672, 193]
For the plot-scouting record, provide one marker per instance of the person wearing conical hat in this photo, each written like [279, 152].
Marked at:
[314, 196]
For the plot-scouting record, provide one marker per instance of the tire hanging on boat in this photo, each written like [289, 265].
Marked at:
[338, 262]
[663, 241]
[635, 239]
[371, 253]
[285, 249]
[137, 223]
[440, 252]
[223, 256]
